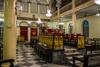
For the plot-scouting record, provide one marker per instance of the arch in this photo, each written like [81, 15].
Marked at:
[33, 24]
[44, 25]
[70, 28]
[23, 23]
[85, 26]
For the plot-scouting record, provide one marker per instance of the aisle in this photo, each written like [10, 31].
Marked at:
[27, 57]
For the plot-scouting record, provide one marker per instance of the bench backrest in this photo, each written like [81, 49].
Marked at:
[91, 60]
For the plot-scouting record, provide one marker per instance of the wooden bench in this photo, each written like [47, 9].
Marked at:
[90, 60]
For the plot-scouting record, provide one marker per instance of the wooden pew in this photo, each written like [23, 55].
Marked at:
[90, 60]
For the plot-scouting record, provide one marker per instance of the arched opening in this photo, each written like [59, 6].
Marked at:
[24, 31]
[70, 28]
[86, 28]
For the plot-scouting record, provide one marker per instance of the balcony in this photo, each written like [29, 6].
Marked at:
[67, 9]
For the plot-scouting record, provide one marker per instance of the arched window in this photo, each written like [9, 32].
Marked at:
[70, 28]
[86, 28]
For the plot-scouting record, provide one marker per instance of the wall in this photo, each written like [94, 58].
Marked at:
[94, 26]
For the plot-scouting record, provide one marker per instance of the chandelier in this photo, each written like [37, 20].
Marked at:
[48, 13]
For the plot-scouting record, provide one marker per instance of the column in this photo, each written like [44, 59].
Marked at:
[10, 30]
[29, 32]
[73, 17]
[58, 10]
[74, 23]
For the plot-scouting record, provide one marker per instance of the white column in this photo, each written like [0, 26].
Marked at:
[73, 17]
[29, 34]
[10, 30]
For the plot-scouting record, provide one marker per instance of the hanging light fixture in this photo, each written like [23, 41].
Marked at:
[39, 21]
[97, 2]
[48, 13]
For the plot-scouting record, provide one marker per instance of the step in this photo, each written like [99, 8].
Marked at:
[70, 50]
[72, 53]
[70, 58]
[77, 62]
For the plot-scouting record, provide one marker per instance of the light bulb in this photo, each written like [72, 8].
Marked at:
[20, 7]
[97, 2]
[98, 14]
[48, 13]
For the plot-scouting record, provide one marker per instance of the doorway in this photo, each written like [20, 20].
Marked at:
[24, 33]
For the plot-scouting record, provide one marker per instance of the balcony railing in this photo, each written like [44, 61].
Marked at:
[66, 8]
[63, 9]
[69, 6]
[54, 14]
[79, 2]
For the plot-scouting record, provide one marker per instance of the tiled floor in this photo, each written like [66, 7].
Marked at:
[27, 57]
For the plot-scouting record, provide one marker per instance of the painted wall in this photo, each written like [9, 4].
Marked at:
[94, 26]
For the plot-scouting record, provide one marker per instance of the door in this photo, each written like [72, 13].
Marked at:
[33, 33]
[24, 32]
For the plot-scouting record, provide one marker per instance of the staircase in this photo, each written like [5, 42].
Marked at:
[70, 52]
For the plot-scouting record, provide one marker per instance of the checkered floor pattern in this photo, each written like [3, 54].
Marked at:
[26, 57]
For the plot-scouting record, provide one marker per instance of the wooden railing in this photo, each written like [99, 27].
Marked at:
[66, 8]
[54, 14]
[80, 2]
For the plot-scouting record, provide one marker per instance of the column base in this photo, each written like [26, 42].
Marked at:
[8, 64]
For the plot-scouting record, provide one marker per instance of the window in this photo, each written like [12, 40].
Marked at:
[86, 28]
[34, 8]
[70, 28]
[25, 7]
[43, 9]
